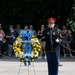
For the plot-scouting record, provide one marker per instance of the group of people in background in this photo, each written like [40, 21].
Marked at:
[12, 34]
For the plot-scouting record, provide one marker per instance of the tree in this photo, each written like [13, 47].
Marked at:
[71, 18]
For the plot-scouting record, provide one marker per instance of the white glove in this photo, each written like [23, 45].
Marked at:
[57, 40]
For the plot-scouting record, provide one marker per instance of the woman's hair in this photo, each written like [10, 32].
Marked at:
[25, 25]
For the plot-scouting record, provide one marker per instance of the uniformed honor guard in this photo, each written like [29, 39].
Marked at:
[52, 47]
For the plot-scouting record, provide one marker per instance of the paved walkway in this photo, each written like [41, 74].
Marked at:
[10, 66]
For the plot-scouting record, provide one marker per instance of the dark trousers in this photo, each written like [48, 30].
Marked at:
[52, 60]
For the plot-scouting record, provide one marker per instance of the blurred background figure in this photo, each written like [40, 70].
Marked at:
[40, 35]
[2, 35]
[57, 26]
[0, 25]
[11, 36]
[66, 40]
[21, 33]
[18, 29]
[33, 31]
[24, 30]
[27, 47]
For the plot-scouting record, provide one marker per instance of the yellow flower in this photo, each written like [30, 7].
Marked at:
[26, 59]
[39, 49]
[21, 57]
[14, 50]
[36, 47]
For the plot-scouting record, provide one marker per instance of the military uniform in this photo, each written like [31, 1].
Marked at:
[52, 49]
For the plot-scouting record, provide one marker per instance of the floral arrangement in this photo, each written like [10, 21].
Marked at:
[17, 47]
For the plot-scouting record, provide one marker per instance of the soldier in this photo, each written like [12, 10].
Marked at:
[52, 46]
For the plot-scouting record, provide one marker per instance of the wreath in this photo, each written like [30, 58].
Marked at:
[36, 47]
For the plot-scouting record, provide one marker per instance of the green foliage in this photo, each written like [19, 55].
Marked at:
[34, 12]
[71, 19]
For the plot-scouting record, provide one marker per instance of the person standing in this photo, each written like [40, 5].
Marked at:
[40, 35]
[33, 31]
[11, 36]
[66, 40]
[52, 46]
[2, 35]
[18, 29]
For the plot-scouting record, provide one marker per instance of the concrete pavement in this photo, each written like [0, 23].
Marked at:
[12, 66]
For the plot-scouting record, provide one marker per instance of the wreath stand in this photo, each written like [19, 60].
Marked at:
[27, 55]
[27, 69]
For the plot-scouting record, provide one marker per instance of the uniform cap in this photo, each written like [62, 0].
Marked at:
[51, 20]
